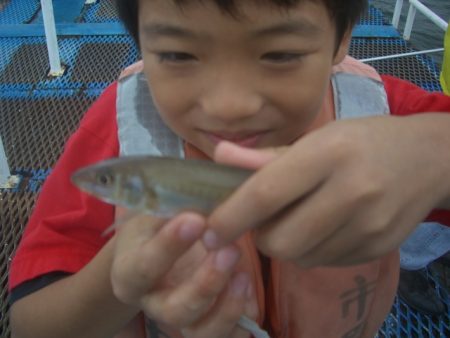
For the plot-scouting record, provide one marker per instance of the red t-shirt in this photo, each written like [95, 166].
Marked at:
[65, 231]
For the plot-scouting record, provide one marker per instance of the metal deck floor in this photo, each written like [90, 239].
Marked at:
[37, 114]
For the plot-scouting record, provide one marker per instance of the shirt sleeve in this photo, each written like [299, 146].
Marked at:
[65, 230]
[405, 99]
[26, 288]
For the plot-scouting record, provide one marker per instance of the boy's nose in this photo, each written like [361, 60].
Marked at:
[230, 101]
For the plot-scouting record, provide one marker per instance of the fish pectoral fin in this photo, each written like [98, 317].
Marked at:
[123, 218]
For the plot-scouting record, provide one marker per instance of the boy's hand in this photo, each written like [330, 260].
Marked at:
[345, 194]
[205, 300]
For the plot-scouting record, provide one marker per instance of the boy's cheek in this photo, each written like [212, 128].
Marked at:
[169, 103]
[172, 96]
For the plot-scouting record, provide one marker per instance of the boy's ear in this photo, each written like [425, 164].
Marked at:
[343, 47]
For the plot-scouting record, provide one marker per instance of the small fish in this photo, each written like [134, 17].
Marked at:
[163, 187]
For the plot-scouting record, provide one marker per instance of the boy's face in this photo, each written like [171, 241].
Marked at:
[258, 80]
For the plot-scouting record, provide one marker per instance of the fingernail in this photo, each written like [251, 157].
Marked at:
[239, 285]
[191, 230]
[210, 240]
[226, 258]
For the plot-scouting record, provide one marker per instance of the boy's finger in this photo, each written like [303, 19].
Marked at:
[137, 270]
[193, 298]
[222, 319]
[232, 154]
[301, 228]
[135, 230]
[172, 241]
[271, 189]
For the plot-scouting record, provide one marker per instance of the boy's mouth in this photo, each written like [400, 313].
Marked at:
[247, 139]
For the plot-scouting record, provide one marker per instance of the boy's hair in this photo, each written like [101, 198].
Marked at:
[344, 13]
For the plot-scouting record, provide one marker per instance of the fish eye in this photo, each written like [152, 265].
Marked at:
[105, 179]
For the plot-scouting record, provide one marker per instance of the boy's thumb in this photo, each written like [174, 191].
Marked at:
[232, 154]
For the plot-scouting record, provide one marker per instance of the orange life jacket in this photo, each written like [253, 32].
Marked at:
[295, 303]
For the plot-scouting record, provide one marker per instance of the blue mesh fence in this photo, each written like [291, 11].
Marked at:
[102, 11]
[18, 12]
[373, 17]
[405, 322]
[420, 69]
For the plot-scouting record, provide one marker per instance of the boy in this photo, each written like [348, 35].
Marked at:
[326, 213]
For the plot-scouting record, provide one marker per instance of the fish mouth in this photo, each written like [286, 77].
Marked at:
[86, 180]
[81, 178]
[87, 177]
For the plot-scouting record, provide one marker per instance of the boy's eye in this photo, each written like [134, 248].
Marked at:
[175, 57]
[280, 57]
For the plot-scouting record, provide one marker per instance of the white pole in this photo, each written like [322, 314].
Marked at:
[409, 21]
[52, 41]
[4, 169]
[397, 13]
[430, 14]
[416, 5]
[394, 56]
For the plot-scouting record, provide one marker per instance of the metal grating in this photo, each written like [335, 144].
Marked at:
[92, 62]
[107, 10]
[33, 61]
[420, 70]
[404, 322]
[373, 16]
[15, 209]
[102, 11]
[35, 130]
[17, 12]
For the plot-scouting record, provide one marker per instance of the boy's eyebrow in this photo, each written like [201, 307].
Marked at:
[156, 30]
[298, 27]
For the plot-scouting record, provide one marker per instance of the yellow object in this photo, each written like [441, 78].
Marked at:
[445, 74]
